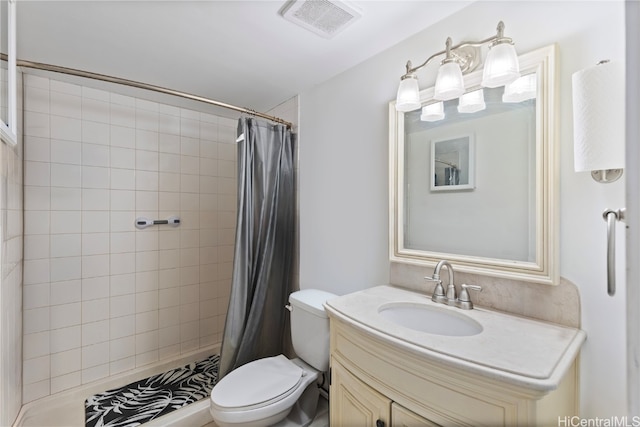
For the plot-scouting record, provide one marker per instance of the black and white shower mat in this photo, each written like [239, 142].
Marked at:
[147, 399]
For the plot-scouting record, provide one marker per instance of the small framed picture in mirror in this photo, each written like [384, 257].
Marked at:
[452, 163]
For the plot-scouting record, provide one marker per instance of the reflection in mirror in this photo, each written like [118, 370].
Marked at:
[497, 218]
[451, 163]
[477, 184]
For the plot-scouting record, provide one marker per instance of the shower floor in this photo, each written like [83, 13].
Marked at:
[152, 397]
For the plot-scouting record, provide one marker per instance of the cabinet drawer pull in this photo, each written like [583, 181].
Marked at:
[379, 423]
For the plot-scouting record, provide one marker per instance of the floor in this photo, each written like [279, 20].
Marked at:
[322, 417]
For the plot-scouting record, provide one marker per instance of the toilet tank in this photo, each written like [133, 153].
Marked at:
[310, 327]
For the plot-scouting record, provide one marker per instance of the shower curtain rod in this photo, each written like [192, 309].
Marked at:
[110, 79]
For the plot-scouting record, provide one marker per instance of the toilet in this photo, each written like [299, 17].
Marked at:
[277, 390]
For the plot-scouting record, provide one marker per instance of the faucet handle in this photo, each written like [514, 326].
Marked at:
[464, 300]
[438, 291]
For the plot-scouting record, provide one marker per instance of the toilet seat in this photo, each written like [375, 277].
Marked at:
[257, 384]
[275, 384]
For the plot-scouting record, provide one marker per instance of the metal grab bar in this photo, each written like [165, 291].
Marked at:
[142, 223]
[611, 216]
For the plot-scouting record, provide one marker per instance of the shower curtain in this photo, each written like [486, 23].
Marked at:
[262, 265]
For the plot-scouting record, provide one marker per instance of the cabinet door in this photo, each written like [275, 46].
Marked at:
[402, 417]
[355, 404]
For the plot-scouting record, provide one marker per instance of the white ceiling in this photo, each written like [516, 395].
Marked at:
[240, 52]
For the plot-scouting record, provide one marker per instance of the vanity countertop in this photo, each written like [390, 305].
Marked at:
[517, 350]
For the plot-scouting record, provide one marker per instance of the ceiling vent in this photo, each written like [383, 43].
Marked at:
[323, 17]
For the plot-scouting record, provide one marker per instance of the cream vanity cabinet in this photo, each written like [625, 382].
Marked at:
[356, 404]
[380, 380]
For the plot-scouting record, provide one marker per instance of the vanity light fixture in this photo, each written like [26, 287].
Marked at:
[449, 83]
[501, 67]
[432, 112]
[408, 98]
[472, 102]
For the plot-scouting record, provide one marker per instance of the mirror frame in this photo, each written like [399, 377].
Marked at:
[545, 268]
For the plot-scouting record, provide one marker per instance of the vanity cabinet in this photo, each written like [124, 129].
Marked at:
[376, 379]
[353, 403]
[402, 417]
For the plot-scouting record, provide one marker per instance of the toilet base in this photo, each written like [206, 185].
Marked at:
[260, 423]
[304, 410]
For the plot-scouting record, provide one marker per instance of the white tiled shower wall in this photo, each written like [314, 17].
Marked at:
[11, 277]
[100, 296]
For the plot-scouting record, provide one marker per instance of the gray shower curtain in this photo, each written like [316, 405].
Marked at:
[262, 265]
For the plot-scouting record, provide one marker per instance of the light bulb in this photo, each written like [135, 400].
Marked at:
[449, 83]
[521, 89]
[501, 66]
[472, 102]
[408, 98]
[432, 112]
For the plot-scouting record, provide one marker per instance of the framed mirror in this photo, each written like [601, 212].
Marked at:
[8, 102]
[479, 186]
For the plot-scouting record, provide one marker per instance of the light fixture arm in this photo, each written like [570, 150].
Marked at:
[451, 50]
[448, 56]
[411, 70]
[500, 30]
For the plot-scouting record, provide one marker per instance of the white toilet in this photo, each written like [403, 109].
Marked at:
[276, 390]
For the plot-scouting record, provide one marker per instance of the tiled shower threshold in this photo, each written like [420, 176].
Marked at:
[66, 408]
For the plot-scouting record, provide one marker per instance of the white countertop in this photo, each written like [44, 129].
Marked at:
[518, 350]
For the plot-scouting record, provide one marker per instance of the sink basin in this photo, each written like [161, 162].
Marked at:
[430, 319]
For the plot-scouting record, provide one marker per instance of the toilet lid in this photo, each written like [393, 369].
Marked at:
[257, 383]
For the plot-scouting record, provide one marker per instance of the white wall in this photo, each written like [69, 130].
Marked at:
[343, 171]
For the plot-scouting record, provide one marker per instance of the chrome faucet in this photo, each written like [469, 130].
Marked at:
[450, 297]
[451, 287]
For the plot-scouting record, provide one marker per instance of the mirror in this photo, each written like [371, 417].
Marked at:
[480, 189]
